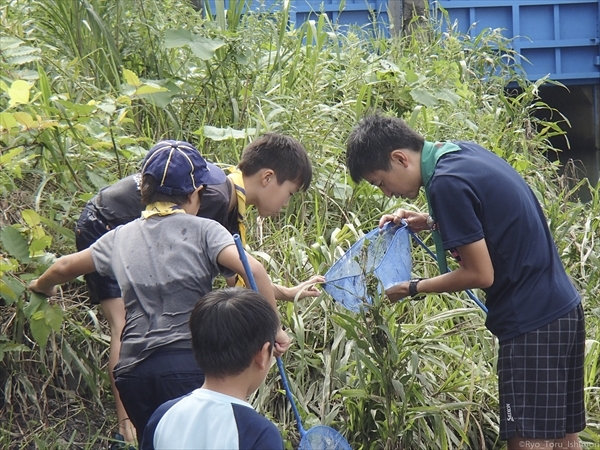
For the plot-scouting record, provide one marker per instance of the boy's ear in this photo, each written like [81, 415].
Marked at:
[399, 156]
[266, 176]
[191, 195]
[263, 356]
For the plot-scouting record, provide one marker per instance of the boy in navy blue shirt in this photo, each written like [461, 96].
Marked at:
[233, 334]
[482, 211]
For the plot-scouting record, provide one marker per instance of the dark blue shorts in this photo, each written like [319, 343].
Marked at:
[166, 374]
[540, 377]
[90, 227]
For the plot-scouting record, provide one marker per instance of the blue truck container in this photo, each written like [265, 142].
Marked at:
[559, 38]
[354, 12]
[362, 13]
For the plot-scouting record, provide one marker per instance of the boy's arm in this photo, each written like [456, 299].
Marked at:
[230, 258]
[475, 271]
[64, 269]
[305, 289]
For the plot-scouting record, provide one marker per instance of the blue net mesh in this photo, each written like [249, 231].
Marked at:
[322, 437]
[376, 262]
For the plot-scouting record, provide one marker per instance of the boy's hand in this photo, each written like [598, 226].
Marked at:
[305, 289]
[282, 342]
[397, 292]
[416, 221]
[33, 286]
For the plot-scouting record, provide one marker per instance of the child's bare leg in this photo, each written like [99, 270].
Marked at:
[114, 311]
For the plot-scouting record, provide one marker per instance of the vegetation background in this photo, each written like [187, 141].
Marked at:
[87, 86]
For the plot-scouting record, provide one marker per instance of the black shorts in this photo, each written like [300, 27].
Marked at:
[90, 227]
[540, 378]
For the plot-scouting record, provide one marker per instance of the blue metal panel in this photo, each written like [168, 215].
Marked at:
[356, 12]
[560, 38]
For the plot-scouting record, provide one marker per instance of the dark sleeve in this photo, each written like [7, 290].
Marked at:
[457, 211]
[255, 431]
[148, 435]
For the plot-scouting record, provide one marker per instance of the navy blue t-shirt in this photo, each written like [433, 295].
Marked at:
[477, 195]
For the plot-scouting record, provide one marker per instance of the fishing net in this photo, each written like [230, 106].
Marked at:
[376, 262]
[322, 437]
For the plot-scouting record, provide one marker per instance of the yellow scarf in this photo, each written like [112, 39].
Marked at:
[240, 191]
[237, 178]
[161, 209]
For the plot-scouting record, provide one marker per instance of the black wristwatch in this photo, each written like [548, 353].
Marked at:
[412, 288]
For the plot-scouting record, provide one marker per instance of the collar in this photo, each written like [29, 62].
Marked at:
[161, 209]
[430, 155]
[236, 176]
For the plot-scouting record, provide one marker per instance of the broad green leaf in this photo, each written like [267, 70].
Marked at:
[14, 285]
[131, 78]
[36, 303]
[177, 38]
[15, 244]
[449, 96]
[54, 317]
[205, 48]
[97, 180]
[423, 97]
[149, 89]
[80, 109]
[7, 293]
[202, 47]
[40, 330]
[9, 155]
[162, 99]
[7, 121]
[25, 119]
[30, 217]
[19, 92]
[37, 232]
[39, 245]
[222, 134]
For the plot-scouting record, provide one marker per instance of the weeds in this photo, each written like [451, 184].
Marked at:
[87, 86]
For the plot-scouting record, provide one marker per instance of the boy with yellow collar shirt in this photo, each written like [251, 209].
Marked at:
[271, 170]
[483, 211]
[163, 262]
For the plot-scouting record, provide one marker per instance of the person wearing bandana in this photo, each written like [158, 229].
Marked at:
[484, 213]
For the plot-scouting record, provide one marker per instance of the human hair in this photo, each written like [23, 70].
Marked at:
[283, 154]
[149, 194]
[229, 327]
[371, 141]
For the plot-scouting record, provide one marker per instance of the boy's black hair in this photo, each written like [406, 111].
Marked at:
[373, 139]
[229, 327]
[283, 154]
[149, 194]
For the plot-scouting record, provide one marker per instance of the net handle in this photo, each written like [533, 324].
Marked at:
[288, 392]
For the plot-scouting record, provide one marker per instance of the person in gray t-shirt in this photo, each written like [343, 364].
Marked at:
[164, 262]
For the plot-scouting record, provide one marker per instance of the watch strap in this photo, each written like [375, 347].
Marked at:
[412, 287]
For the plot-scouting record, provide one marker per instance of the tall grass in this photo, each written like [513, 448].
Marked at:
[412, 375]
